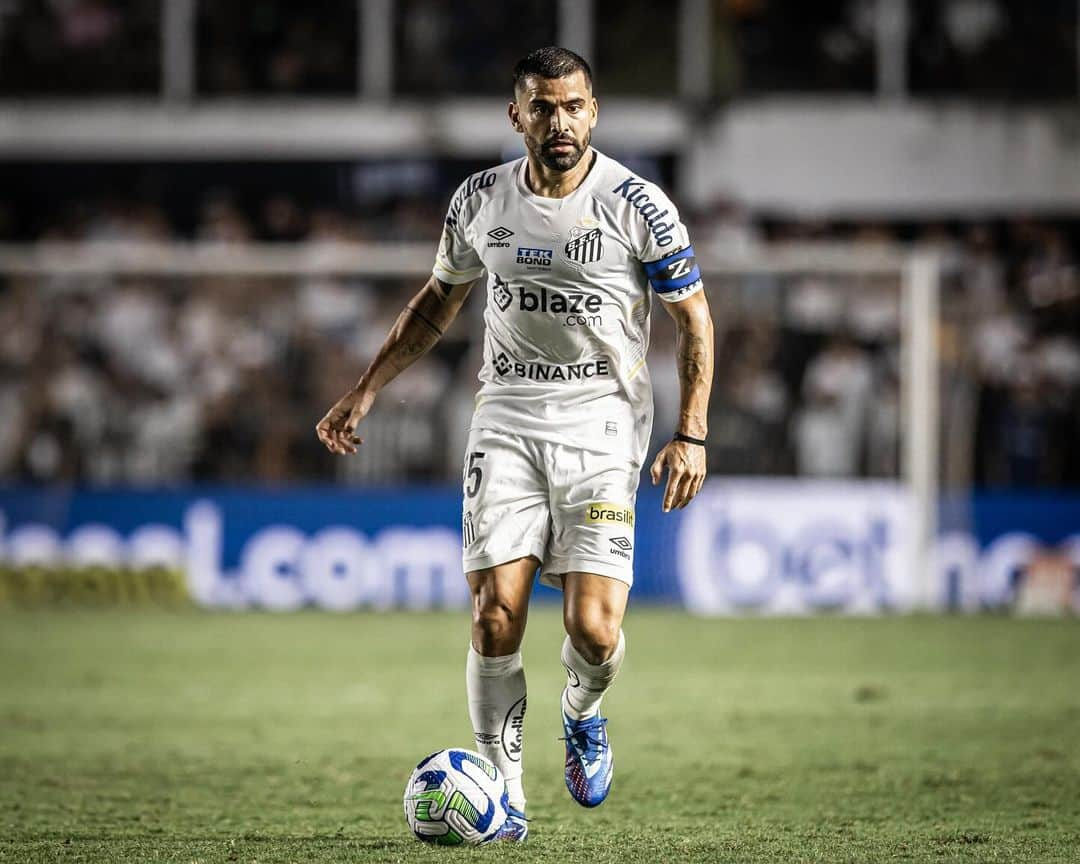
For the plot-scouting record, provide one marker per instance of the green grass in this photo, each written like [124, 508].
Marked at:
[186, 737]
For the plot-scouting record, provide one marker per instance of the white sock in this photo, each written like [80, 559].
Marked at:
[496, 691]
[586, 684]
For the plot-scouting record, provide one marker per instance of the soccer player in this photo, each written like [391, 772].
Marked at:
[566, 243]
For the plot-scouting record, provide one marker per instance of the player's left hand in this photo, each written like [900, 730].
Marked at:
[686, 472]
[337, 430]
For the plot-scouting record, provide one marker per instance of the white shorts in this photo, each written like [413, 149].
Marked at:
[572, 509]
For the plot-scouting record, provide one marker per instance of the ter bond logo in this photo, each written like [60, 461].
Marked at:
[534, 259]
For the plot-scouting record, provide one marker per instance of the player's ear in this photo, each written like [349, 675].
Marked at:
[515, 116]
[594, 111]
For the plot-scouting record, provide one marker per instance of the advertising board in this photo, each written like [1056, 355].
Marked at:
[745, 546]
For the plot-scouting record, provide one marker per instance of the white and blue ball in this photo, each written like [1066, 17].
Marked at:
[455, 797]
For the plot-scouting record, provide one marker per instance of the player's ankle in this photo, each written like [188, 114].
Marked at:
[515, 793]
[571, 712]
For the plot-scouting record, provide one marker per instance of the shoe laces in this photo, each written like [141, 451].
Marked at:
[517, 815]
[587, 736]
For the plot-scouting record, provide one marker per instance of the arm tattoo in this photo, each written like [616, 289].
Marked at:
[692, 354]
[421, 317]
[441, 290]
[694, 362]
[410, 341]
[413, 334]
[415, 348]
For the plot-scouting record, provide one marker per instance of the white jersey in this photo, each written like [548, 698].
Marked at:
[568, 300]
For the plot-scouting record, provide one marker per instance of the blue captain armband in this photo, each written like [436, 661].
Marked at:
[673, 272]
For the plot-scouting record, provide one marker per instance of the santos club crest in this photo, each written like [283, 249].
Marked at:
[585, 245]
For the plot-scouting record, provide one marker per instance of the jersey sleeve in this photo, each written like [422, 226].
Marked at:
[664, 246]
[456, 262]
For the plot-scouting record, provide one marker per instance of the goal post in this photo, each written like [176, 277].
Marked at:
[919, 274]
[922, 411]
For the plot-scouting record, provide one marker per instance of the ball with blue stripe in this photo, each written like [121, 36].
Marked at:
[455, 798]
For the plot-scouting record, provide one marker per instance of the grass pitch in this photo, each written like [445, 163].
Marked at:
[187, 737]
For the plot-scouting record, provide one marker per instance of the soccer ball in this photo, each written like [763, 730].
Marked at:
[455, 797]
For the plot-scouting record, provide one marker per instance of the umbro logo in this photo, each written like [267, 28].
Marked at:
[621, 547]
[498, 237]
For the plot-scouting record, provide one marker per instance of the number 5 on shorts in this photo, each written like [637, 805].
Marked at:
[473, 474]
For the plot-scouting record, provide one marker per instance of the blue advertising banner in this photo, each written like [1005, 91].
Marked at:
[743, 547]
[283, 549]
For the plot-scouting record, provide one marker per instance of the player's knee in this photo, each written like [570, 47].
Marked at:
[497, 627]
[594, 636]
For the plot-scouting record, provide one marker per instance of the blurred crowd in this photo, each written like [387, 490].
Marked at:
[809, 369]
[149, 381]
[979, 48]
[157, 381]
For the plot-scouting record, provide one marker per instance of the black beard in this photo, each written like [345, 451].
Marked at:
[561, 161]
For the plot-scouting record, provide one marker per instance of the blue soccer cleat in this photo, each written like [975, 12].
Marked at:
[589, 761]
[514, 830]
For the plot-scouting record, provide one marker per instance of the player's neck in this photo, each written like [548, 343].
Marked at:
[548, 183]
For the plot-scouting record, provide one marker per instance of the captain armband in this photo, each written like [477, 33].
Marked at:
[673, 272]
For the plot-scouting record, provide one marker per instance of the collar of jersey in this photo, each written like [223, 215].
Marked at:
[586, 184]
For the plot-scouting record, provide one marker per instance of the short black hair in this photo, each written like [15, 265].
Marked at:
[551, 62]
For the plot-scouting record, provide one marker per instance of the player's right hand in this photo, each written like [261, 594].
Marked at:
[337, 430]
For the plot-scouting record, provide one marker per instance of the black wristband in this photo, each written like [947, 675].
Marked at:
[678, 436]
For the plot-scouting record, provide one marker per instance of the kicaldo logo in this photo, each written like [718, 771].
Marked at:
[607, 513]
